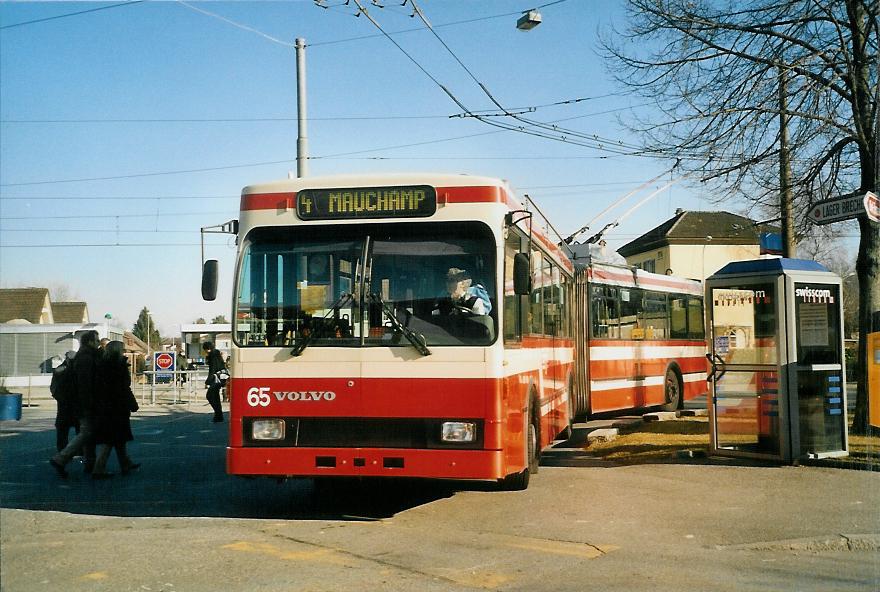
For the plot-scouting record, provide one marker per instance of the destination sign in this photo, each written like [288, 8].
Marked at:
[366, 202]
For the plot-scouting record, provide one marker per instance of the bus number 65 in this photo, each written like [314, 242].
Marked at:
[258, 395]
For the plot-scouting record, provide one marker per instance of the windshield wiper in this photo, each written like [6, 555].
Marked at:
[416, 339]
[304, 341]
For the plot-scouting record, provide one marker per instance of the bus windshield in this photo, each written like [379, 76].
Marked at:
[330, 286]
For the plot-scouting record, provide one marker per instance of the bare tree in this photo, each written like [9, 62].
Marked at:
[717, 71]
[60, 292]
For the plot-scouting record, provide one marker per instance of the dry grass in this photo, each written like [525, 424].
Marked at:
[655, 441]
[660, 441]
[865, 449]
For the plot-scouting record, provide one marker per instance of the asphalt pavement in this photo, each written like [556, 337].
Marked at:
[181, 523]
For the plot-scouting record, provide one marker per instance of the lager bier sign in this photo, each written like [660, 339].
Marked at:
[416, 201]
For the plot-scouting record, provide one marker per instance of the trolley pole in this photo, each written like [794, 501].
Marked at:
[302, 139]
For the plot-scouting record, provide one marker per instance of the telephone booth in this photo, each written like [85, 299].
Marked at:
[776, 348]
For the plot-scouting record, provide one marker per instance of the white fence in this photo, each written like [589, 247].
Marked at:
[175, 387]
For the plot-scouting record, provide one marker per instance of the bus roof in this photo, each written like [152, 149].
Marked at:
[374, 179]
[275, 195]
[619, 275]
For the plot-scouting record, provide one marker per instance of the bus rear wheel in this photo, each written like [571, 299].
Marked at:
[672, 391]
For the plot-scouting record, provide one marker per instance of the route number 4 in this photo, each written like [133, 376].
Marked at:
[258, 396]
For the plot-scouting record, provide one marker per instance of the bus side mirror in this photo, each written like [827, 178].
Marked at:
[522, 277]
[209, 279]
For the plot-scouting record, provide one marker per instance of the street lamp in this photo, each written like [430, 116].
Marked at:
[529, 20]
[149, 319]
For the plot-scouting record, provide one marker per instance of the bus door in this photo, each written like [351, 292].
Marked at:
[744, 350]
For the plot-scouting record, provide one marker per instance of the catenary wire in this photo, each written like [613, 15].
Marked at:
[61, 16]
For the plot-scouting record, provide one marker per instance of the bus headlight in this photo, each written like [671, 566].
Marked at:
[267, 429]
[458, 431]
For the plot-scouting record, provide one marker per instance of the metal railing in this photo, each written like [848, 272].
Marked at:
[174, 387]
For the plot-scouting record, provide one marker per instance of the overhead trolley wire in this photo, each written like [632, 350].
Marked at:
[61, 16]
[238, 25]
[596, 141]
[502, 125]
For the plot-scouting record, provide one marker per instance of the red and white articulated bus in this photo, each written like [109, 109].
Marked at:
[355, 352]
[350, 358]
[641, 340]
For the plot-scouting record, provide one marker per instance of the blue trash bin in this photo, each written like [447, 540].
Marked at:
[10, 406]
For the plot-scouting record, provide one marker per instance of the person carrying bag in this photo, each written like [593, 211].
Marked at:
[217, 377]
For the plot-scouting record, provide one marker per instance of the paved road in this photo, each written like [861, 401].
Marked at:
[180, 523]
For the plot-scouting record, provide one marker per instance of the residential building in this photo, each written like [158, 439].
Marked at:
[35, 333]
[70, 312]
[696, 244]
[26, 305]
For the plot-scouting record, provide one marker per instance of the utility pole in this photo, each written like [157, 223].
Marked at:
[302, 139]
[789, 244]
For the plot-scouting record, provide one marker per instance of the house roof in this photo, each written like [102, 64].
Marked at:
[685, 227]
[23, 303]
[133, 343]
[70, 312]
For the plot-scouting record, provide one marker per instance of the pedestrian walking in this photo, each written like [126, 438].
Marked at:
[63, 389]
[85, 367]
[117, 402]
[215, 363]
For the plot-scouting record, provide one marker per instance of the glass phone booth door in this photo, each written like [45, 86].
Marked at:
[745, 352]
[821, 413]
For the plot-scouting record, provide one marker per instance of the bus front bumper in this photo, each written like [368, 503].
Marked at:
[365, 462]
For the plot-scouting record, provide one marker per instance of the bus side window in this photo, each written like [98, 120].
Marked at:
[678, 317]
[656, 321]
[695, 318]
[550, 273]
[630, 305]
[605, 312]
[562, 287]
[512, 302]
[536, 298]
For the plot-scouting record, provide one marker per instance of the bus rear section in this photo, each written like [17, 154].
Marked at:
[643, 342]
[378, 332]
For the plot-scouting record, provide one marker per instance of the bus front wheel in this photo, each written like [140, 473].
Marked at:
[520, 481]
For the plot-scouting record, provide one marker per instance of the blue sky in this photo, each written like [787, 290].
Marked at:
[116, 95]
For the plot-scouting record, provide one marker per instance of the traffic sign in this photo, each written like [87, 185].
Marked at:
[872, 206]
[164, 361]
[838, 209]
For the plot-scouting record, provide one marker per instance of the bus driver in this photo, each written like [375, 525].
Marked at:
[462, 294]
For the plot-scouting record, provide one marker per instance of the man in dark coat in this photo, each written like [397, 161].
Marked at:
[63, 389]
[215, 362]
[85, 367]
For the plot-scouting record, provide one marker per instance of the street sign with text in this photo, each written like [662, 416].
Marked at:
[838, 209]
[164, 361]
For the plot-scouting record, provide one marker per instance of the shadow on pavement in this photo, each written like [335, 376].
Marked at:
[183, 475]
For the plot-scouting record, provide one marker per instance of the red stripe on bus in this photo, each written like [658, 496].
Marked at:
[606, 369]
[285, 200]
[268, 201]
[641, 280]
